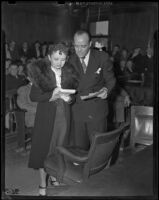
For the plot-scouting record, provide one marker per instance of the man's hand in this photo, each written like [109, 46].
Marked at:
[127, 101]
[104, 93]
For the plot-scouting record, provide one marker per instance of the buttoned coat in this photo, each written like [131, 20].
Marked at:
[99, 74]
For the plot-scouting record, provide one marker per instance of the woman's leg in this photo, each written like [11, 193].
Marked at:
[42, 186]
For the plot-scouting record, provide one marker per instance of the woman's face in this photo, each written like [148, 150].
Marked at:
[124, 53]
[20, 69]
[13, 70]
[57, 59]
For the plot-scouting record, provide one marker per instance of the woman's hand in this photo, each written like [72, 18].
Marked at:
[56, 94]
[65, 97]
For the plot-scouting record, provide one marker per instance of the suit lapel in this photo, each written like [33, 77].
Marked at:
[91, 68]
[91, 63]
[78, 66]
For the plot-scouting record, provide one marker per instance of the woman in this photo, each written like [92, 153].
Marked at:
[48, 77]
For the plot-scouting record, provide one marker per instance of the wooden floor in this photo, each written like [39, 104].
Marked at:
[20, 180]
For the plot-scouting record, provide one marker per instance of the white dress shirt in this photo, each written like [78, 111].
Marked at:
[86, 59]
[57, 75]
[58, 83]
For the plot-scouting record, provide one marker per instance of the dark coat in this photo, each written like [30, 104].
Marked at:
[26, 54]
[14, 83]
[45, 115]
[92, 81]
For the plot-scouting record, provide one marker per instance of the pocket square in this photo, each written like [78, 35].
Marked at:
[98, 71]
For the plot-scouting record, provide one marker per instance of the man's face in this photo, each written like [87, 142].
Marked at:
[137, 51]
[37, 45]
[82, 45]
[13, 70]
[12, 45]
[149, 51]
[25, 45]
[116, 49]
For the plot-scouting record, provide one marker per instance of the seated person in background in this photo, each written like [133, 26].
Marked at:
[7, 63]
[129, 66]
[115, 57]
[148, 62]
[24, 51]
[138, 67]
[7, 52]
[99, 45]
[14, 54]
[24, 102]
[13, 80]
[36, 50]
[123, 60]
[120, 100]
[115, 54]
[44, 50]
[21, 70]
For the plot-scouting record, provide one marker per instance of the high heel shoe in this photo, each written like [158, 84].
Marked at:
[42, 191]
[53, 181]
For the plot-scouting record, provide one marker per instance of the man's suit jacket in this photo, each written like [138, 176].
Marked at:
[24, 102]
[99, 74]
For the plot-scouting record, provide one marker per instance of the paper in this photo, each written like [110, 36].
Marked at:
[91, 95]
[67, 91]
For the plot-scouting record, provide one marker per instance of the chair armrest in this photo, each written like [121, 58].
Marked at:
[73, 154]
[110, 134]
[22, 110]
[18, 110]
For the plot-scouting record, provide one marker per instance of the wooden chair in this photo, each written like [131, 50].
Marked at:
[141, 125]
[23, 133]
[10, 109]
[17, 119]
[77, 165]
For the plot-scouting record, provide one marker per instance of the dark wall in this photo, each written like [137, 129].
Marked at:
[134, 29]
[127, 28]
[31, 26]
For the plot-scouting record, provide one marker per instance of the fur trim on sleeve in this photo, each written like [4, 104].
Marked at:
[69, 77]
[41, 74]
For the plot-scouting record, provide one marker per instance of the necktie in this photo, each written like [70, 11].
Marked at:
[83, 65]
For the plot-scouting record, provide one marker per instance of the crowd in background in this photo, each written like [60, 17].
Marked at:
[128, 65]
[134, 71]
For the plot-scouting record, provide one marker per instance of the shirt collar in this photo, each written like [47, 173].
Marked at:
[86, 59]
[56, 71]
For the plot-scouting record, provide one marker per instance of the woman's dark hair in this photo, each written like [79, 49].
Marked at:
[60, 46]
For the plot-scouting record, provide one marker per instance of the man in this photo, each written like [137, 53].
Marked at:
[12, 83]
[24, 52]
[13, 80]
[96, 81]
[13, 51]
[24, 102]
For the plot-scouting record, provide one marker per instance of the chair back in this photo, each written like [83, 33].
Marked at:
[141, 125]
[102, 147]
